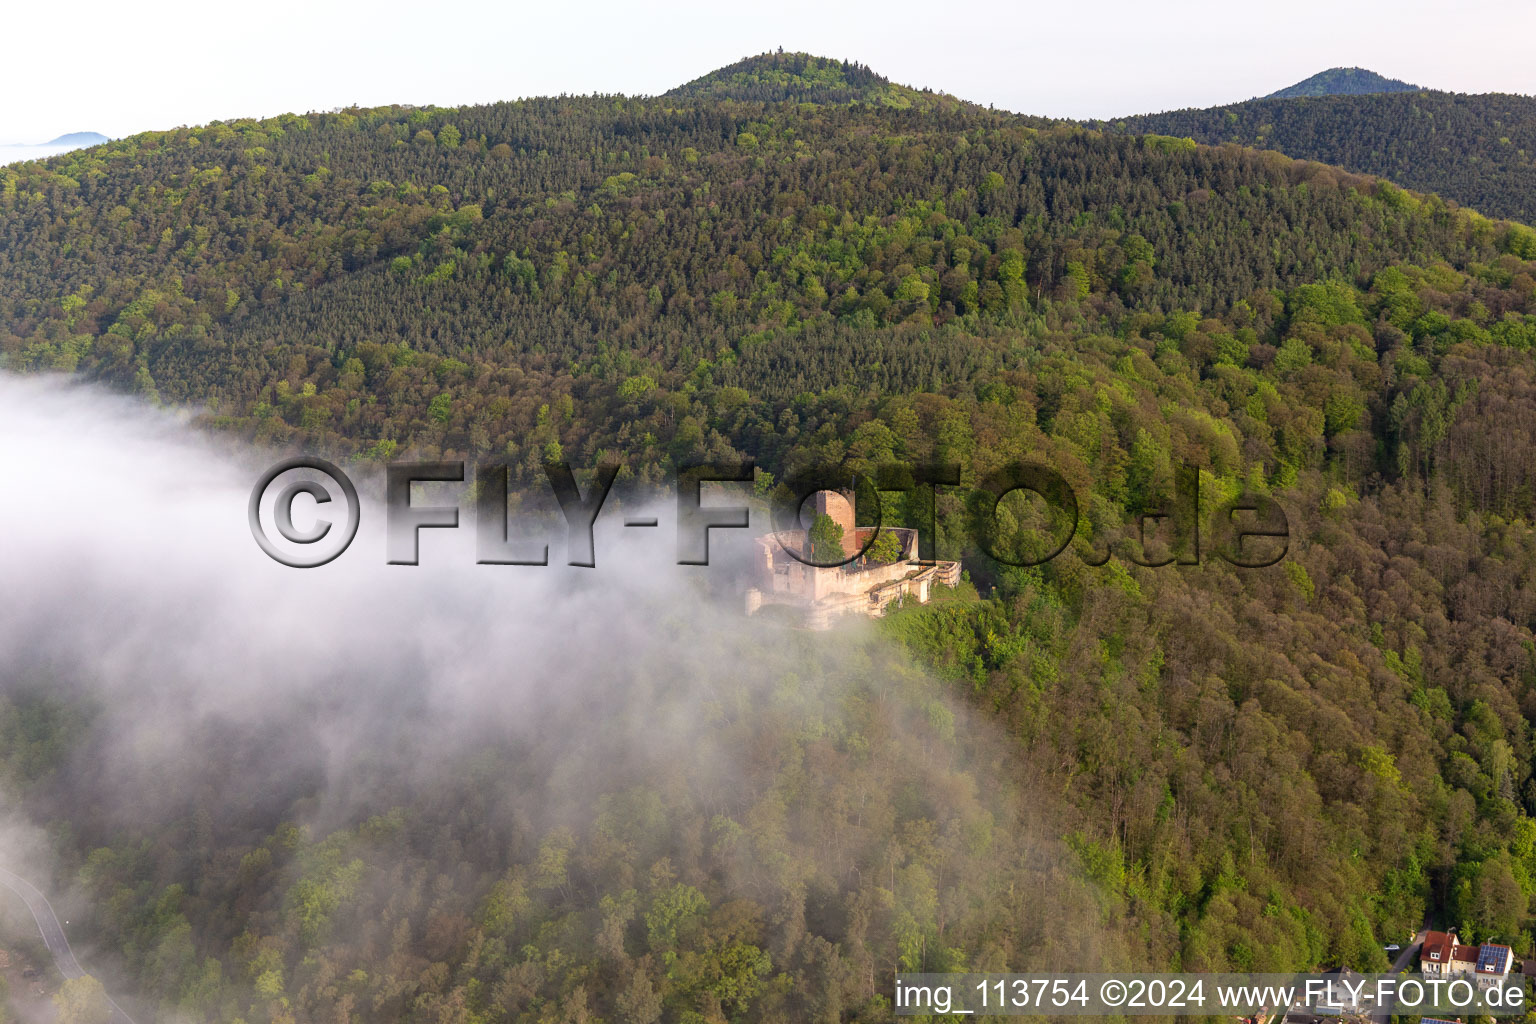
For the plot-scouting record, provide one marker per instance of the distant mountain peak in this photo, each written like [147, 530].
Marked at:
[78, 139]
[804, 78]
[1343, 82]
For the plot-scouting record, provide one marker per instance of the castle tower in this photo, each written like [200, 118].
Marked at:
[838, 506]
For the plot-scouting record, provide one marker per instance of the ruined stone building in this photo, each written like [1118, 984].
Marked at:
[859, 587]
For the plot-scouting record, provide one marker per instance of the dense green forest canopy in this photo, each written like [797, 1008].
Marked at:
[767, 843]
[1267, 770]
[1343, 82]
[1477, 150]
[802, 78]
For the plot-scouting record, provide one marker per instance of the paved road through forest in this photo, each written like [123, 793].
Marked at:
[53, 934]
[1405, 957]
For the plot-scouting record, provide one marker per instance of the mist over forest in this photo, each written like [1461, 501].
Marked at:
[366, 764]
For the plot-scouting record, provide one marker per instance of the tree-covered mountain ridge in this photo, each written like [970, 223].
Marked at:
[1478, 150]
[805, 78]
[120, 258]
[78, 139]
[1343, 82]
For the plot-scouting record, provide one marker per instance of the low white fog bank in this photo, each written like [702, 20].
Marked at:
[11, 154]
[127, 567]
[224, 687]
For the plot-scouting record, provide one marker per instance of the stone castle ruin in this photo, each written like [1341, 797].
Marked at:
[862, 586]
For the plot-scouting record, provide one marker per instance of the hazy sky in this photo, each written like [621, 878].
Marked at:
[119, 68]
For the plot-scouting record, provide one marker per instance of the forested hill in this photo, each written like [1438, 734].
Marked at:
[1478, 150]
[78, 139]
[1263, 770]
[1343, 82]
[804, 78]
[593, 244]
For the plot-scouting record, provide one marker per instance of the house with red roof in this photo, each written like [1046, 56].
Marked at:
[1443, 955]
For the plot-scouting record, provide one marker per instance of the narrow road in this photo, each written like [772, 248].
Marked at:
[53, 934]
[1409, 951]
[1382, 1014]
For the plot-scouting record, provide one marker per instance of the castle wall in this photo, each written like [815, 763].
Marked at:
[826, 593]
